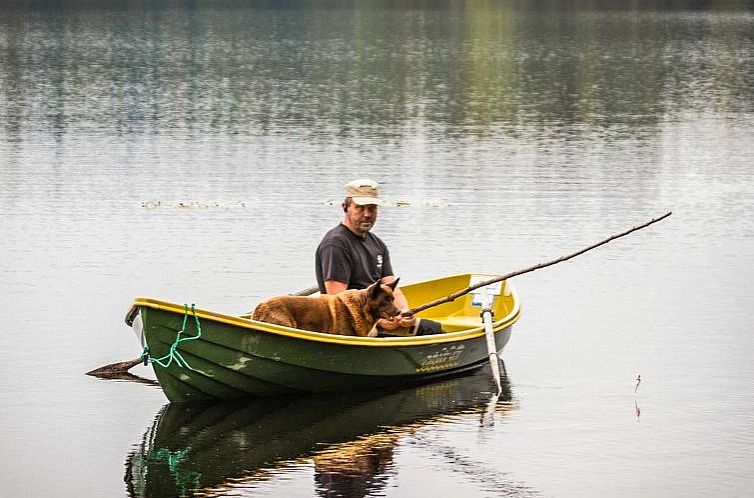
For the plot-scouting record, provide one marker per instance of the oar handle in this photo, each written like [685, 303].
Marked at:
[306, 292]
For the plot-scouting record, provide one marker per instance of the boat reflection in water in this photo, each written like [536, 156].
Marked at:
[212, 448]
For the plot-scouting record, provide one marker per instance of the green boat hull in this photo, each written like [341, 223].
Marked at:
[234, 357]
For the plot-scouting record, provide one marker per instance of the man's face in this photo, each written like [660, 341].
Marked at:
[361, 219]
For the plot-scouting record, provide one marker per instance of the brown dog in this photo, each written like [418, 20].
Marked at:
[351, 312]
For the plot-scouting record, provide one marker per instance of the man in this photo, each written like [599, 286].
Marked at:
[350, 256]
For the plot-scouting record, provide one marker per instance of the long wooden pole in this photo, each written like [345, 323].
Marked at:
[121, 367]
[512, 274]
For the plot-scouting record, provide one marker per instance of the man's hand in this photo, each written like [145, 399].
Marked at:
[396, 322]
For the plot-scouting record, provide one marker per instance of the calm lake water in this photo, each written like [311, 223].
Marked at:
[196, 151]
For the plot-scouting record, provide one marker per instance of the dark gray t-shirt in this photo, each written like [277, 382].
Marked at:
[345, 257]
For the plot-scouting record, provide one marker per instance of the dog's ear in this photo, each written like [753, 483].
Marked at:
[394, 284]
[374, 289]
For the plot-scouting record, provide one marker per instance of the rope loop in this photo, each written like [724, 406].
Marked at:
[173, 354]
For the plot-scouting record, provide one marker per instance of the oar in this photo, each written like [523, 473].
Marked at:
[120, 369]
[491, 347]
[115, 369]
[490, 336]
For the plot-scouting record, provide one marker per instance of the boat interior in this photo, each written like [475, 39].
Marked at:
[464, 312]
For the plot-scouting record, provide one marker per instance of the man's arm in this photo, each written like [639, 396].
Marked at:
[333, 286]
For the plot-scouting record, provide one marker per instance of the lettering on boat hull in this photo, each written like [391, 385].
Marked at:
[443, 359]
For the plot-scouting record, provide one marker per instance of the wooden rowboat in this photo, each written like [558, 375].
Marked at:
[200, 354]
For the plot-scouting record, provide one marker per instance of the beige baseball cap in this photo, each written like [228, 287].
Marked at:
[364, 191]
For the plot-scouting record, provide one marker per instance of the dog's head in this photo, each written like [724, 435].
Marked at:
[380, 300]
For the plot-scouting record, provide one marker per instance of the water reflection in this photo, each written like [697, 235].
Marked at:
[192, 449]
[456, 68]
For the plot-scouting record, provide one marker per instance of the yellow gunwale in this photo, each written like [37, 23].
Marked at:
[245, 323]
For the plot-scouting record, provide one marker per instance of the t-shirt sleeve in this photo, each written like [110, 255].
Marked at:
[335, 263]
[387, 266]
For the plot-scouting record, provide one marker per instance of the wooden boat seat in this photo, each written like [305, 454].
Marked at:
[456, 323]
